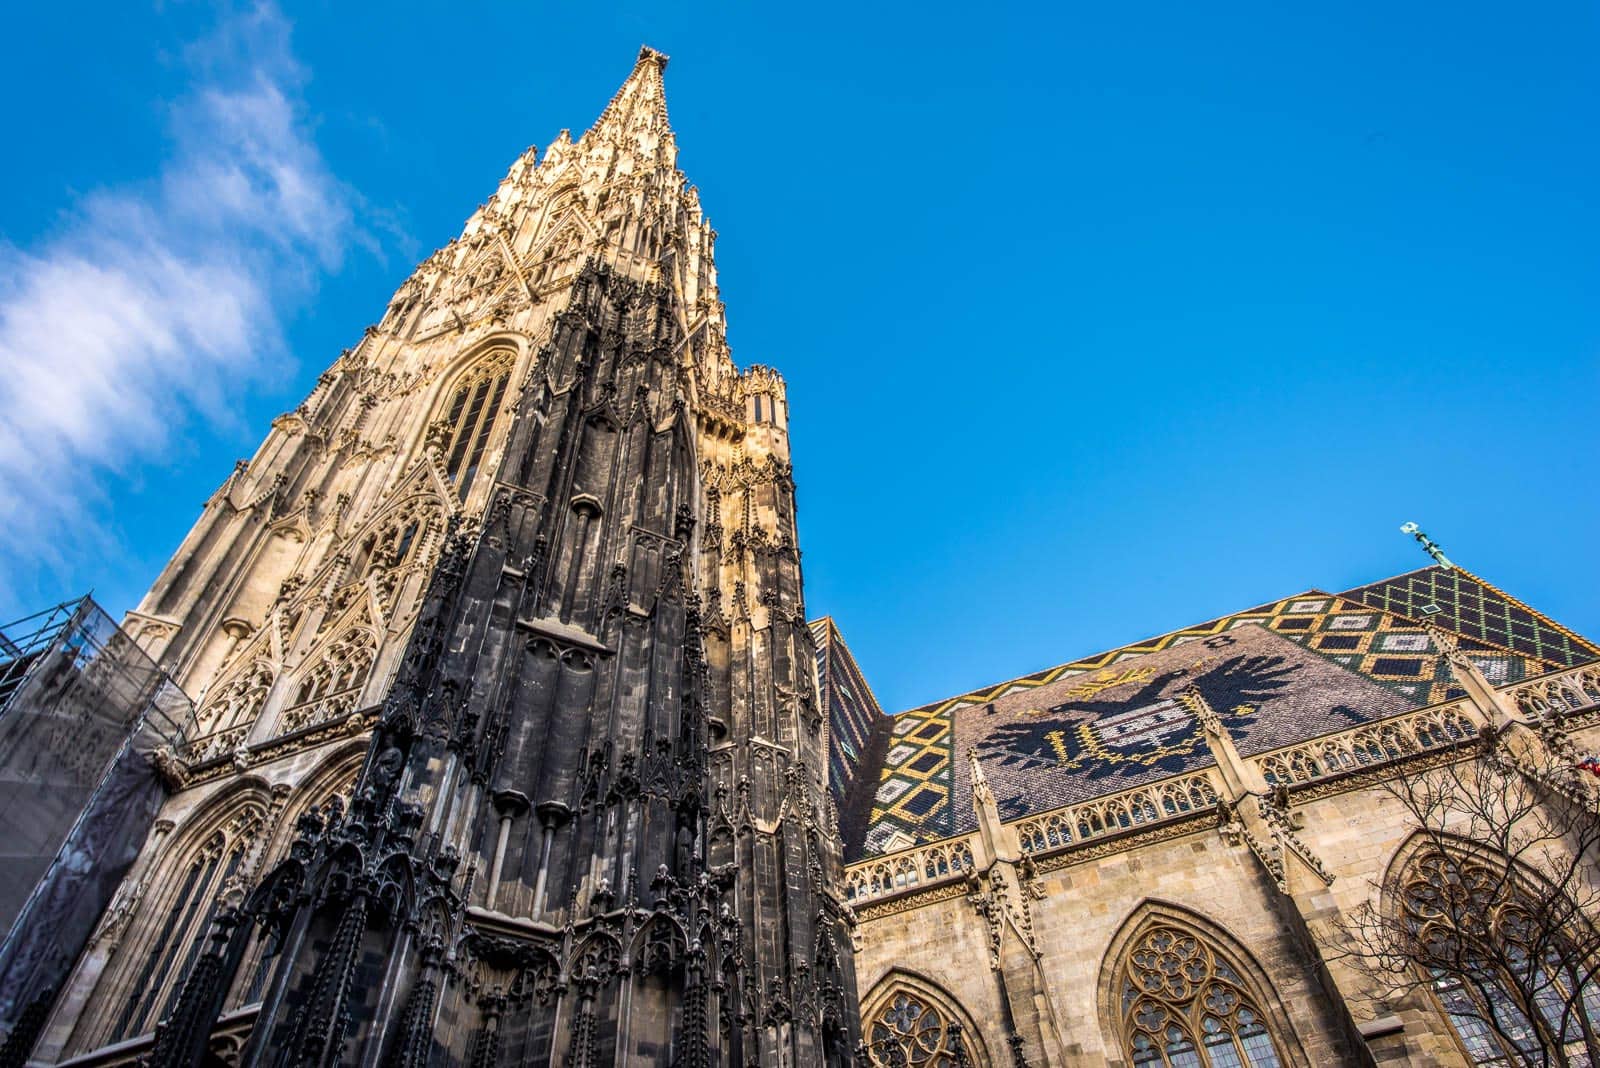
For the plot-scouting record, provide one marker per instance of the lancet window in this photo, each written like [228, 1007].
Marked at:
[908, 1030]
[1515, 990]
[1182, 1004]
[462, 432]
[182, 921]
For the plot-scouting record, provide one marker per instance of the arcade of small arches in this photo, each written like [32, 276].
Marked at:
[332, 685]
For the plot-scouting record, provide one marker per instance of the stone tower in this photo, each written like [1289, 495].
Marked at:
[523, 566]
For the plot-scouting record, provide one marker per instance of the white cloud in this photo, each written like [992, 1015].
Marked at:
[140, 316]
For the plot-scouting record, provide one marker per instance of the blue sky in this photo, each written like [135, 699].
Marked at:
[1098, 320]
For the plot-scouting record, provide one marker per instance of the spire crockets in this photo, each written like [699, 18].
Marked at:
[637, 114]
[615, 195]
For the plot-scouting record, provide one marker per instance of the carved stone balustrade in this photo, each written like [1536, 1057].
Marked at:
[909, 869]
[1571, 697]
[213, 746]
[322, 710]
[1138, 807]
[946, 861]
[1562, 693]
[1368, 745]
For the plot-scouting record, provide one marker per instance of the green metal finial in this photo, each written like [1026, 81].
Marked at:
[1429, 546]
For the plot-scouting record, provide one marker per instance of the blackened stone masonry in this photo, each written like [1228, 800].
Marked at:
[509, 750]
[590, 827]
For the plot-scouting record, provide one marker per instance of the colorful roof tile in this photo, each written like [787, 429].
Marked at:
[853, 712]
[1278, 673]
[1461, 601]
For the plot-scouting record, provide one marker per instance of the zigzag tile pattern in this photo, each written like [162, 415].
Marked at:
[852, 710]
[921, 790]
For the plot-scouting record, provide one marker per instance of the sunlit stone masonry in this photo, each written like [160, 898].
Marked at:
[511, 744]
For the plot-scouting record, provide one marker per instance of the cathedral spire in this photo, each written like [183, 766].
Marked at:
[639, 108]
[549, 701]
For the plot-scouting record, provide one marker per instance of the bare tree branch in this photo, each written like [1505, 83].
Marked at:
[1495, 913]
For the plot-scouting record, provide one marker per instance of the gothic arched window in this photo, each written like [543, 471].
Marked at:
[335, 780]
[1184, 1005]
[389, 544]
[462, 432]
[909, 1031]
[178, 936]
[1513, 989]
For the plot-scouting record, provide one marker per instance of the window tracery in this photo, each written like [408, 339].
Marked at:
[177, 935]
[239, 702]
[461, 434]
[559, 256]
[319, 791]
[395, 541]
[909, 1031]
[1184, 1005]
[332, 686]
[1513, 993]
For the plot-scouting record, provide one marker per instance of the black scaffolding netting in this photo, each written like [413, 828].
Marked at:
[81, 710]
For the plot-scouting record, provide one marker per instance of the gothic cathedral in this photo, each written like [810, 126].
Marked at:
[534, 537]
[513, 744]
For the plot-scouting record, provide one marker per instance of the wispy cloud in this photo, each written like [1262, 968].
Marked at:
[135, 321]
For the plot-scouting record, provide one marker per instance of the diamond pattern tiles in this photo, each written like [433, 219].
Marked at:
[1466, 604]
[1105, 723]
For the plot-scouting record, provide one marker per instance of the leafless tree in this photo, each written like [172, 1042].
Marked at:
[1494, 908]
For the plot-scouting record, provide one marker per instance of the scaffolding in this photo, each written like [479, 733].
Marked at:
[82, 708]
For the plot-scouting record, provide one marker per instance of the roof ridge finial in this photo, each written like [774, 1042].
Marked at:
[1429, 546]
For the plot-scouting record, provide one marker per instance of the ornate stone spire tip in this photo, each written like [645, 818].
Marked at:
[641, 84]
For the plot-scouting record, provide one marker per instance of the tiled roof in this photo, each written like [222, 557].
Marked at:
[1278, 673]
[855, 719]
[1461, 601]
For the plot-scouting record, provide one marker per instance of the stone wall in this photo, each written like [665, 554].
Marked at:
[1023, 939]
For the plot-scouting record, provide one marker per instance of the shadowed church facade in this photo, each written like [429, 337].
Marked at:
[514, 746]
